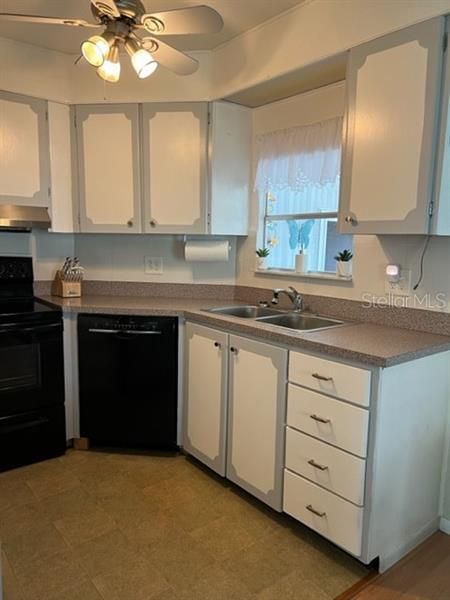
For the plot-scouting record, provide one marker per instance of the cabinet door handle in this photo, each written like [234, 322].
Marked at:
[321, 377]
[313, 463]
[318, 513]
[217, 345]
[130, 223]
[319, 419]
[153, 223]
[234, 350]
[351, 220]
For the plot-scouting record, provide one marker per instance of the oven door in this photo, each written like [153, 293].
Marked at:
[31, 367]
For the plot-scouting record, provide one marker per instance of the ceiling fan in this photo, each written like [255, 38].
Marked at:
[122, 21]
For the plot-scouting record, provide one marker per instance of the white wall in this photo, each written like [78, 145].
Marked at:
[308, 33]
[372, 253]
[121, 258]
[47, 249]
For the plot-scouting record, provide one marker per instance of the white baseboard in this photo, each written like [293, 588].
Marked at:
[444, 525]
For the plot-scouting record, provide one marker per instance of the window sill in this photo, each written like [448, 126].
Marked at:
[309, 275]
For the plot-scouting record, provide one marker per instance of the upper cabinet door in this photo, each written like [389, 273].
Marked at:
[393, 98]
[108, 168]
[24, 164]
[230, 154]
[175, 167]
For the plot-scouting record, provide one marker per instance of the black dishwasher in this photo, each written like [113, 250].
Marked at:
[128, 372]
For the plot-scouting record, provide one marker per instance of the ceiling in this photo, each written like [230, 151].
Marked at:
[238, 15]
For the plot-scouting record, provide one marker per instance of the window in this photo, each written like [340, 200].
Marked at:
[298, 184]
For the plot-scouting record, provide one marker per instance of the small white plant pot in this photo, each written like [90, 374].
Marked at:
[261, 263]
[344, 269]
[301, 263]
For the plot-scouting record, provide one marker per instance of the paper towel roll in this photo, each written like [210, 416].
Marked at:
[206, 251]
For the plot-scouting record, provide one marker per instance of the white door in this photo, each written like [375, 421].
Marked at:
[393, 97]
[108, 168]
[206, 395]
[24, 151]
[174, 147]
[257, 404]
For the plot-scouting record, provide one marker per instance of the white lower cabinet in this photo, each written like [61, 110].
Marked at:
[359, 457]
[236, 398]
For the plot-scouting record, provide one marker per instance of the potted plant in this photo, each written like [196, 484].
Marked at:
[261, 258]
[344, 263]
[299, 237]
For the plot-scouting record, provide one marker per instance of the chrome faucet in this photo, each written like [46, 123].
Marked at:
[294, 296]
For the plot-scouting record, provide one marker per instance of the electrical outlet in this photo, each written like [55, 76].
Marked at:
[401, 287]
[153, 266]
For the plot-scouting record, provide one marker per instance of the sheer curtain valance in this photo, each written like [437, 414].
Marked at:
[299, 157]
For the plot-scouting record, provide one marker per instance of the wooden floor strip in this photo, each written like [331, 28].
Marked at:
[422, 575]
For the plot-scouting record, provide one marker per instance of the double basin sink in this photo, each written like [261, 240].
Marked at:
[272, 316]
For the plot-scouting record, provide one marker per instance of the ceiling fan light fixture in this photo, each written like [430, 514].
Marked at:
[96, 49]
[110, 69]
[143, 62]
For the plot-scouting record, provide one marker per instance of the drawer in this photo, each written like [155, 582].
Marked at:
[331, 516]
[330, 420]
[339, 472]
[329, 377]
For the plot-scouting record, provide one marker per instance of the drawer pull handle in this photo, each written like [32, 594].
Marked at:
[234, 350]
[321, 377]
[217, 345]
[320, 419]
[313, 463]
[316, 512]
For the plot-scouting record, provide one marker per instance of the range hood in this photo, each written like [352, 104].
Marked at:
[23, 218]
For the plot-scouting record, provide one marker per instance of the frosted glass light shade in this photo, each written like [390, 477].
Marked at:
[95, 50]
[110, 69]
[143, 63]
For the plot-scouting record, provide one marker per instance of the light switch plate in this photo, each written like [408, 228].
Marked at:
[153, 266]
[402, 287]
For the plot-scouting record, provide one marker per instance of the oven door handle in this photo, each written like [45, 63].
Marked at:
[25, 425]
[18, 327]
[125, 331]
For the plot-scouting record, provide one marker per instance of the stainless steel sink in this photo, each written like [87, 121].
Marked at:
[300, 321]
[245, 312]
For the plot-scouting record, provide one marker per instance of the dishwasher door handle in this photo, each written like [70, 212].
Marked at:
[127, 331]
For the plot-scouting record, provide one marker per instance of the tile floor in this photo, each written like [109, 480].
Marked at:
[107, 526]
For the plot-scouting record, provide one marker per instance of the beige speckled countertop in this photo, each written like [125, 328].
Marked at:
[369, 344]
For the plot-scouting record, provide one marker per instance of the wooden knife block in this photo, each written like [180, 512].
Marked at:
[65, 289]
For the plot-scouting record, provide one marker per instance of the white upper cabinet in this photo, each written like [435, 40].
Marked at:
[61, 205]
[108, 168]
[230, 153]
[174, 143]
[391, 130]
[24, 164]
[441, 214]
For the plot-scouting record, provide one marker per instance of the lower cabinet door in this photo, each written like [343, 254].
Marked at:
[206, 395]
[257, 391]
[336, 519]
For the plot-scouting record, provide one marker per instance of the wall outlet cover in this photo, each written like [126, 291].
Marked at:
[153, 266]
[401, 287]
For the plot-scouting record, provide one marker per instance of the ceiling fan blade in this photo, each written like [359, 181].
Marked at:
[107, 7]
[46, 20]
[182, 21]
[169, 57]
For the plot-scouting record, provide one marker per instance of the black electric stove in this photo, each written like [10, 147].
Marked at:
[32, 417]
